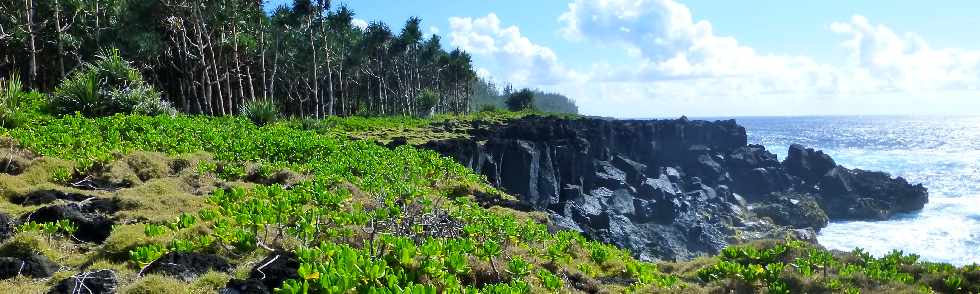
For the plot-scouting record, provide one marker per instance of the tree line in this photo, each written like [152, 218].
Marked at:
[487, 95]
[214, 57]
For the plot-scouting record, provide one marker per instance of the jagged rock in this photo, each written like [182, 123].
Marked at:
[97, 282]
[859, 194]
[797, 211]
[621, 202]
[658, 189]
[7, 227]
[608, 176]
[752, 156]
[669, 189]
[92, 226]
[34, 266]
[807, 164]
[187, 266]
[635, 171]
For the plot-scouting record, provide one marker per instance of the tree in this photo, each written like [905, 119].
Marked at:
[215, 56]
[521, 100]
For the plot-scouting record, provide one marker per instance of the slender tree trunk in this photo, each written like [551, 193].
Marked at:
[60, 31]
[29, 13]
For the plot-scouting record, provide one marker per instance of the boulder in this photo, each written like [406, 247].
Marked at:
[34, 266]
[635, 171]
[859, 194]
[807, 164]
[97, 282]
[608, 176]
[750, 157]
[92, 226]
[187, 266]
[41, 197]
[793, 210]
[7, 227]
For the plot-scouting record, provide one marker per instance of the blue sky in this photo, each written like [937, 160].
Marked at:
[653, 58]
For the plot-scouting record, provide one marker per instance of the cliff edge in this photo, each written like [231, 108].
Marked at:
[672, 189]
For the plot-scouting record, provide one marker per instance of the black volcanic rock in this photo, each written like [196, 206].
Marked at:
[187, 266]
[34, 266]
[858, 194]
[93, 226]
[7, 227]
[672, 189]
[807, 164]
[794, 210]
[267, 275]
[97, 282]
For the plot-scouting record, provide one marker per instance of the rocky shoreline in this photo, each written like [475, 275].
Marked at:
[673, 189]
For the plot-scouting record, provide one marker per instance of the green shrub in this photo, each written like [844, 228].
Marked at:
[488, 108]
[106, 87]
[16, 105]
[261, 112]
[426, 101]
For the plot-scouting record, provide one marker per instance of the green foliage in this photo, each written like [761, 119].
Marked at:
[50, 229]
[261, 112]
[550, 281]
[61, 175]
[518, 268]
[520, 101]
[144, 255]
[426, 102]
[17, 106]
[106, 87]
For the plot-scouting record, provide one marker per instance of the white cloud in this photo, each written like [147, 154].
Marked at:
[360, 23]
[680, 65]
[511, 55]
[906, 62]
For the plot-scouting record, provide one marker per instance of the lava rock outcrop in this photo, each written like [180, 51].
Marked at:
[672, 189]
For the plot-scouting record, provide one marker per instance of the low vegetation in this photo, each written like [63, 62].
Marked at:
[101, 186]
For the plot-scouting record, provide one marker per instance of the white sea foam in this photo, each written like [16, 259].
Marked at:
[941, 153]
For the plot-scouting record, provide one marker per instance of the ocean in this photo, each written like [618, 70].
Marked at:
[942, 153]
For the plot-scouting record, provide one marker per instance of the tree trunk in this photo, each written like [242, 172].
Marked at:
[30, 10]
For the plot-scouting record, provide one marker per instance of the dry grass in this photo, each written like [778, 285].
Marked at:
[157, 201]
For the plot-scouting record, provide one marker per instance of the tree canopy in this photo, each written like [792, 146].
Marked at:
[213, 57]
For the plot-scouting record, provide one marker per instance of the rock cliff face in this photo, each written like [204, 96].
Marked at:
[673, 189]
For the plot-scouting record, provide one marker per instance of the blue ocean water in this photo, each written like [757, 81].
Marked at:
[943, 153]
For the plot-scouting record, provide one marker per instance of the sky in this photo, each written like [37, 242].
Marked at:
[666, 58]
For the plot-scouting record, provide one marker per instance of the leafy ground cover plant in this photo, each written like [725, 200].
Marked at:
[370, 219]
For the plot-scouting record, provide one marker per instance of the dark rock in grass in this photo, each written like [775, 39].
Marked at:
[397, 142]
[92, 227]
[34, 266]
[276, 269]
[7, 227]
[187, 266]
[97, 282]
[238, 286]
[267, 275]
[40, 197]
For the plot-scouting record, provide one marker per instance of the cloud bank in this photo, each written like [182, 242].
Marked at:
[680, 65]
